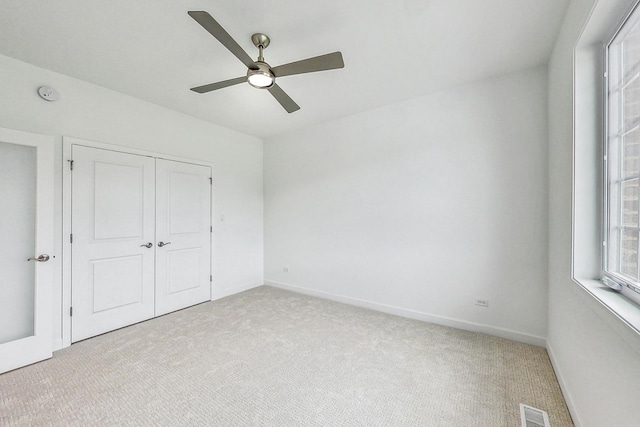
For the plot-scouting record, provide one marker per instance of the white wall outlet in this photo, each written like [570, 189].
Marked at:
[482, 302]
[285, 269]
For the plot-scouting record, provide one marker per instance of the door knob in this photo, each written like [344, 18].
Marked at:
[148, 245]
[41, 258]
[161, 244]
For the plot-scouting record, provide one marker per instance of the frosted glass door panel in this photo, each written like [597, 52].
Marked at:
[17, 240]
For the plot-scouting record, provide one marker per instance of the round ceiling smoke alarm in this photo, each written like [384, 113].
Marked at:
[48, 93]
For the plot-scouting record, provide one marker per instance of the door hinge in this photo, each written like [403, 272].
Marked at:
[211, 278]
[70, 311]
[211, 180]
[211, 229]
[70, 164]
[70, 238]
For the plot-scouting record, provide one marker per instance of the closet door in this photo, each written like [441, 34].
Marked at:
[113, 226]
[183, 236]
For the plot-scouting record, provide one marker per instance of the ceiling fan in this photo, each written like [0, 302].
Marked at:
[260, 74]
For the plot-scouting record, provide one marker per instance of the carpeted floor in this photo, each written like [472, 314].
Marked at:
[268, 357]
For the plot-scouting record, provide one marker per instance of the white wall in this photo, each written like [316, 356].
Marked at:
[421, 207]
[596, 356]
[94, 113]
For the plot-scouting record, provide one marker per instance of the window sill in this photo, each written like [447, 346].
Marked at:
[627, 311]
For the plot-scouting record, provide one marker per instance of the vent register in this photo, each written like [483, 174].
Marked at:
[533, 417]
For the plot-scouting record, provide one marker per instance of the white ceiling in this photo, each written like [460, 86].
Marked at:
[393, 50]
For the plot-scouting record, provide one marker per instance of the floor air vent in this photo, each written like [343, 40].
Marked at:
[533, 417]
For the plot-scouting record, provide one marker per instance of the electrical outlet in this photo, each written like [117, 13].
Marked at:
[482, 302]
[285, 269]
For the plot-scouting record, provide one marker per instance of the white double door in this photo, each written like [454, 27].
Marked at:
[141, 241]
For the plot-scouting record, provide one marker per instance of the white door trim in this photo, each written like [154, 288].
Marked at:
[67, 143]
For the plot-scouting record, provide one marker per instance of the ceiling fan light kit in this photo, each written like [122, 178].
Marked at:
[260, 79]
[260, 74]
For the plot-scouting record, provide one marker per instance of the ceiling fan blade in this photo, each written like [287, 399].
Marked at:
[330, 61]
[284, 99]
[216, 30]
[219, 85]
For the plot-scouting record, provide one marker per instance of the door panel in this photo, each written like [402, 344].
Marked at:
[117, 282]
[183, 218]
[183, 268]
[113, 204]
[26, 231]
[119, 201]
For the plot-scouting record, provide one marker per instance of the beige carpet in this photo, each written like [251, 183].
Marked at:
[268, 357]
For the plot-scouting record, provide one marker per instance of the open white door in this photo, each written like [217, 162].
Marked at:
[26, 234]
[183, 233]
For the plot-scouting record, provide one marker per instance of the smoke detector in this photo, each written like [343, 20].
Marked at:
[48, 93]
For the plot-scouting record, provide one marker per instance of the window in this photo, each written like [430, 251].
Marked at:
[622, 159]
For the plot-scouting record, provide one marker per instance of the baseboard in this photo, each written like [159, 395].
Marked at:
[218, 294]
[563, 386]
[57, 344]
[414, 314]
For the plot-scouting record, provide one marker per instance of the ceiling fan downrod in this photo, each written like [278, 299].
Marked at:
[261, 41]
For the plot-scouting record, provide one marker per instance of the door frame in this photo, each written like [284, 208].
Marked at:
[67, 143]
[42, 339]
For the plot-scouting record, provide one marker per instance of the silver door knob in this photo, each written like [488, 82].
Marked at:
[41, 258]
[148, 245]
[161, 244]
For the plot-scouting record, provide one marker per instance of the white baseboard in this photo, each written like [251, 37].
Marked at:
[57, 344]
[222, 293]
[563, 387]
[414, 314]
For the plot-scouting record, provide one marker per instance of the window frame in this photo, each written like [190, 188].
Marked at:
[586, 132]
[615, 279]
